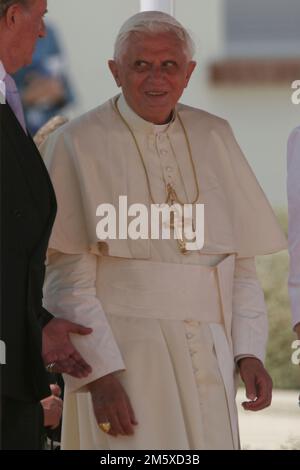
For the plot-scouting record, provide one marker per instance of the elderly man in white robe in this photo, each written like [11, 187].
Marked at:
[171, 326]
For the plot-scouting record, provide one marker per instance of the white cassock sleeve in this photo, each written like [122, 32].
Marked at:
[249, 314]
[70, 293]
[293, 191]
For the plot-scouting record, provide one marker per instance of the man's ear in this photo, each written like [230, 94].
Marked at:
[191, 67]
[113, 66]
[12, 15]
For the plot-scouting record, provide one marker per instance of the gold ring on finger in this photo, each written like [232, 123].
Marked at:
[50, 367]
[105, 427]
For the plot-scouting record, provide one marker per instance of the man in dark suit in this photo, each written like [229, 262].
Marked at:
[28, 209]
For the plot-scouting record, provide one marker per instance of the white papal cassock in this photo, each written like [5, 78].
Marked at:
[172, 325]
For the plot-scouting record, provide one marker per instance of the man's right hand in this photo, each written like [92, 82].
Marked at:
[59, 350]
[111, 405]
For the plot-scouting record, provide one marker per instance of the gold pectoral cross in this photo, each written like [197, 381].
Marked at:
[172, 198]
[180, 237]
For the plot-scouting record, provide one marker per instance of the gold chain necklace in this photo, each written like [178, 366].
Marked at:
[171, 193]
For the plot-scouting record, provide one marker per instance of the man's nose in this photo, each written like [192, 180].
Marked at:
[43, 30]
[156, 72]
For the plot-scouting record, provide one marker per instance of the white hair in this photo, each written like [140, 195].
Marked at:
[5, 4]
[153, 22]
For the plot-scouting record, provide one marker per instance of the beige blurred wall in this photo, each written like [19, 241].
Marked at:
[261, 117]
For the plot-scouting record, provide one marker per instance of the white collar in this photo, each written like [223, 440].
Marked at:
[2, 71]
[139, 124]
[160, 128]
[2, 84]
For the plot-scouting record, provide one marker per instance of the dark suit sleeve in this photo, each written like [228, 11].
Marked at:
[45, 317]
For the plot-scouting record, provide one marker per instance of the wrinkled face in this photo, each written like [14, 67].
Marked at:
[153, 73]
[29, 27]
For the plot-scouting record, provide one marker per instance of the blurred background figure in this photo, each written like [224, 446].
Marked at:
[293, 191]
[44, 85]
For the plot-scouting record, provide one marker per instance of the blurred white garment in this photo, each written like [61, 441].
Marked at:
[293, 190]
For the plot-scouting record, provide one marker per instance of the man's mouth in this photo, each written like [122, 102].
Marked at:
[156, 93]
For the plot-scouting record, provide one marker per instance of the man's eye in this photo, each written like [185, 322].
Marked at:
[169, 64]
[141, 65]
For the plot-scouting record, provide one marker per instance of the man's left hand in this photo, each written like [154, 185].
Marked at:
[59, 350]
[257, 382]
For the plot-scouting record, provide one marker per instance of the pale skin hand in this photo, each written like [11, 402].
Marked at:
[52, 407]
[111, 404]
[257, 382]
[58, 348]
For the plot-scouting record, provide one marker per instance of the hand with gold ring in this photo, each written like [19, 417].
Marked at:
[112, 408]
[58, 348]
[105, 427]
